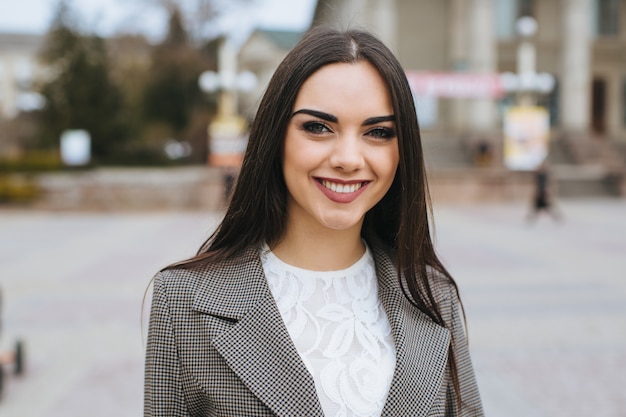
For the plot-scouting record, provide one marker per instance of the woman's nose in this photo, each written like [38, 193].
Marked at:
[347, 154]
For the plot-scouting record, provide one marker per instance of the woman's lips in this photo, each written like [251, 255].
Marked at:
[341, 191]
[342, 188]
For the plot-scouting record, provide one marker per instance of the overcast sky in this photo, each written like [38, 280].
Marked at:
[110, 16]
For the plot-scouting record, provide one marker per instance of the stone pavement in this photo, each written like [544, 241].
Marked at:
[545, 304]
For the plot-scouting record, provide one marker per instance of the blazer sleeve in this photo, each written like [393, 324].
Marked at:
[163, 391]
[471, 405]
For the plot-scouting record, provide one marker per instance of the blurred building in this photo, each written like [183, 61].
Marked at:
[582, 43]
[19, 72]
[19, 69]
[261, 54]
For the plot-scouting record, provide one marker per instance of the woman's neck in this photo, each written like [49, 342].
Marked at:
[320, 249]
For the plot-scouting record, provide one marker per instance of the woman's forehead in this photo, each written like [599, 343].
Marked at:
[343, 87]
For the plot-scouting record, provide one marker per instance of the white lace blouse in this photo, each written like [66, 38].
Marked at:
[340, 330]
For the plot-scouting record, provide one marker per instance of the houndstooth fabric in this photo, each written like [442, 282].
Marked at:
[217, 346]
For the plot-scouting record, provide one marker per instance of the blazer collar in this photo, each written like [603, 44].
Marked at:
[259, 349]
[421, 345]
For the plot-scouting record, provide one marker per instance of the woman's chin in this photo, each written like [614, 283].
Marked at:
[342, 223]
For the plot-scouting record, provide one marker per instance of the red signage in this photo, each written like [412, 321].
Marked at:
[455, 84]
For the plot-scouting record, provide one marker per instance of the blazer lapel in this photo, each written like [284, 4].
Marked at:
[421, 347]
[258, 347]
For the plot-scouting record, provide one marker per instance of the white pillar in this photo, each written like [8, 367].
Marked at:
[376, 16]
[458, 34]
[482, 56]
[458, 44]
[382, 18]
[344, 14]
[576, 72]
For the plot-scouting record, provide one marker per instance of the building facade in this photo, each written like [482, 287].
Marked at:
[261, 54]
[19, 69]
[581, 43]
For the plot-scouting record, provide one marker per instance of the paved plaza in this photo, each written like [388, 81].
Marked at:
[545, 304]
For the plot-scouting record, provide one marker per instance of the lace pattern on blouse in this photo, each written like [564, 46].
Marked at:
[340, 330]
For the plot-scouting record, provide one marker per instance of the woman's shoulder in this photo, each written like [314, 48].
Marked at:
[172, 276]
[179, 283]
[188, 276]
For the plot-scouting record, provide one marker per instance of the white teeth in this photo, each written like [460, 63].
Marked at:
[341, 188]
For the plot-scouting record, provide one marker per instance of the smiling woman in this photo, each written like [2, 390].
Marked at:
[340, 157]
[320, 292]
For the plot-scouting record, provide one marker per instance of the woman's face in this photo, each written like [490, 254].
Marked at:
[341, 150]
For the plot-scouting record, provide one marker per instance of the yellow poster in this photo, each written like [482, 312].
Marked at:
[526, 135]
[227, 141]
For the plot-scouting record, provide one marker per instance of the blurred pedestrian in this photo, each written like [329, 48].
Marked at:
[543, 199]
[295, 305]
[483, 155]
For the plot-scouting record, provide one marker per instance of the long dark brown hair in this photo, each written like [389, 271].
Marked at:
[257, 212]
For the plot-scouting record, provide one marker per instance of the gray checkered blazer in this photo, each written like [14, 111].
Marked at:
[217, 346]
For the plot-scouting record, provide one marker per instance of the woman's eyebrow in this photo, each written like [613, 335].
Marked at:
[379, 119]
[331, 118]
[324, 116]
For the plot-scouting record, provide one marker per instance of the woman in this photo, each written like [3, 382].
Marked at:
[543, 196]
[295, 305]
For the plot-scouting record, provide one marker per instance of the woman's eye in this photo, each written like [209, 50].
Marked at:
[315, 127]
[382, 133]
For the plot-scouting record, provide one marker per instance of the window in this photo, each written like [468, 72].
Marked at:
[624, 102]
[598, 105]
[525, 8]
[506, 14]
[606, 17]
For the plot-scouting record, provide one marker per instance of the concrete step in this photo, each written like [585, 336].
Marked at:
[583, 180]
[445, 152]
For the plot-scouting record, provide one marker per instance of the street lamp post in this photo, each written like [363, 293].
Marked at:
[526, 125]
[526, 60]
[227, 131]
[526, 83]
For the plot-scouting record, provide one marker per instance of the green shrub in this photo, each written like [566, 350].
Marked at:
[32, 161]
[18, 189]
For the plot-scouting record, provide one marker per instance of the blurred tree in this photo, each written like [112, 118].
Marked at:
[130, 57]
[200, 15]
[79, 92]
[173, 104]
